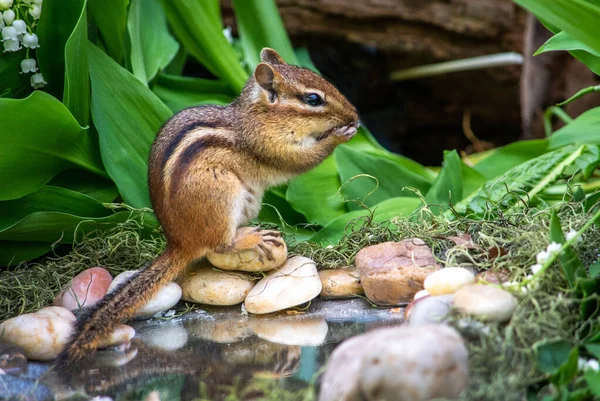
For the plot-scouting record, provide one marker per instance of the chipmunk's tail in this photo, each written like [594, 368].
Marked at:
[96, 323]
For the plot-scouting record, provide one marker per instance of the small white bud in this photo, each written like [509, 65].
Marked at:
[581, 362]
[20, 26]
[28, 65]
[4, 4]
[542, 257]
[536, 268]
[572, 234]
[8, 16]
[30, 40]
[11, 45]
[35, 10]
[37, 81]
[592, 364]
[554, 248]
[2, 23]
[227, 33]
[9, 33]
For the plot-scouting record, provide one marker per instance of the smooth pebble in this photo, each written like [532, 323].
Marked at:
[85, 289]
[485, 302]
[420, 294]
[448, 280]
[122, 334]
[207, 285]
[429, 309]
[293, 284]
[340, 283]
[165, 299]
[168, 337]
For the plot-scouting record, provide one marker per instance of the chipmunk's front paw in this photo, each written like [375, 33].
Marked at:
[346, 132]
[254, 250]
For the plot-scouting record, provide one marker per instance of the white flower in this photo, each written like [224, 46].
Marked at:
[592, 364]
[20, 26]
[542, 257]
[28, 65]
[536, 268]
[554, 248]
[227, 33]
[4, 4]
[8, 16]
[30, 40]
[524, 290]
[9, 33]
[2, 23]
[35, 10]
[11, 45]
[581, 362]
[37, 81]
[329, 247]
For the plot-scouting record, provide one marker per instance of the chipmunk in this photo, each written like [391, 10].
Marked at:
[208, 169]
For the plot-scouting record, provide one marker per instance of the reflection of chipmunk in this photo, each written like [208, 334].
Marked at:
[209, 167]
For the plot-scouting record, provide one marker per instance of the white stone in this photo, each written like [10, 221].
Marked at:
[429, 309]
[168, 336]
[165, 299]
[293, 284]
[42, 334]
[208, 285]
[398, 363]
[448, 280]
[421, 294]
[121, 334]
[302, 332]
[485, 302]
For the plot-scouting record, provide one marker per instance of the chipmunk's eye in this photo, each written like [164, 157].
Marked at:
[313, 99]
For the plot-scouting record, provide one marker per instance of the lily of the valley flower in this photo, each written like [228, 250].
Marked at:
[9, 33]
[28, 65]
[35, 10]
[20, 26]
[11, 45]
[4, 4]
[37, 81]
[8, 16]
[30, 40]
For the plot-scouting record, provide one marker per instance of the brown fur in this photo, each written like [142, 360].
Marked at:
[208, 168]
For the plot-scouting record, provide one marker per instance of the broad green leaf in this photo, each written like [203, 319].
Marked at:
[304, 59]
[448, 186]
[76, 95]
[12, 83]
[592, 378]
[56, 24]
[315, 193]
[195, 25]
[500, 160]
[276, 208]
[127, 116]
[386, 210]
[579, 18]
[588, 288]
[563, 41]
[12, 253]
[595, 270]
[260, 26]
[99, 188]
[38, 139]
[585, 129]
[570, 262]
[550, 356]
[152, 47]
[179, 93]
[371, 179]
[593, 349]
[111, 18]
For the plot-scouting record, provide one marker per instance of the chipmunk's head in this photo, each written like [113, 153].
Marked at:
[302, 107]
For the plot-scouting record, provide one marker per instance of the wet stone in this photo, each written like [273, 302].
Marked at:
[485, 302]
[448, 280]
[12, 359]
[429, 309]
[85, 289]
[392, 273]
[207, 285]
[340, 283]
[307, 332]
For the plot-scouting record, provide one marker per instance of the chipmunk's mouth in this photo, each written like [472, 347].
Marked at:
[343, 130]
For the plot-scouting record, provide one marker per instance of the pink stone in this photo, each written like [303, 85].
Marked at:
[86, 289]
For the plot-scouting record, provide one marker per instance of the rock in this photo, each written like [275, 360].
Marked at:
[42, 334]
[207, 285]
[168, 337]
[164, 300]
[12, 359]
[222, 331]
[421, 294]
[398, 363]
[485, 302]
[392, 273]
[303, 332]
[340, 283]
[429, 309]
[253, 260]
[293, 284]
[85, 289]
[493, 276]
[122, 334]
[14, 388]
[448, 280]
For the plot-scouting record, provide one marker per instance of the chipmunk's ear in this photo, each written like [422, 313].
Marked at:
[267, 77]
[270, 56]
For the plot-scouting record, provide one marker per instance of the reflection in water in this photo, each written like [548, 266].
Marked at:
[217, 353]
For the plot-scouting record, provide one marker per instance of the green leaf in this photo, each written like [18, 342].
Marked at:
[196, 26]
[179, 93]
[371, 179]
[260, 26]
[579, 18]
[448, 186]
[593, 349]
[592, 378]
[588, 288]
[76, 95]
[384, 211]
[502, 159]
[582, 52]
[111, 18]
[152, 47]
[12, 83]
[595, 270]
[101, 189]
[38, 139]
[128, 116]
[582, 130]
[551, 355]
[276, 208]
[570, 262]
[56, 25]
[315, 193]
[305, 61]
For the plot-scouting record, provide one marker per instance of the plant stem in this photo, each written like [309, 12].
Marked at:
[581, 93]
[558, 112]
